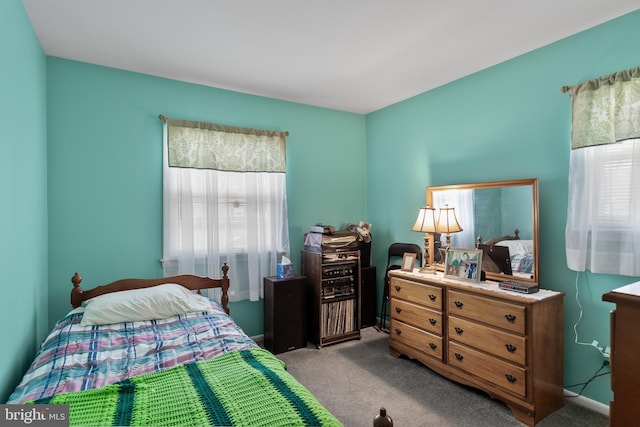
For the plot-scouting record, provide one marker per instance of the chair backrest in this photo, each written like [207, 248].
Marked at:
[397, 251]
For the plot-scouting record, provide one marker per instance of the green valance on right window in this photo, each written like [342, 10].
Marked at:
[606, 110]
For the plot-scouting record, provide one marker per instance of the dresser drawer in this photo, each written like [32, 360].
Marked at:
[424, 341]
[487, 310]
[416, 315]
[500, 343]
[417, 293]
[501, 373]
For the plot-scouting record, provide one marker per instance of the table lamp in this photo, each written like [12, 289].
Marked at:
[448, 223]
[426, 223]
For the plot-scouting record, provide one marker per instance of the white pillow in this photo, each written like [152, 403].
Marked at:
[518, 247]
[158, 302]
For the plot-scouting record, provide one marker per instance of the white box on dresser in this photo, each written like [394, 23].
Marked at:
[508, 344]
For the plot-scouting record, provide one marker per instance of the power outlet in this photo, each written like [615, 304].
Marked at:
[605, 351]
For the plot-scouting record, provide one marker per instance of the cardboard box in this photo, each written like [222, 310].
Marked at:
[284, 271]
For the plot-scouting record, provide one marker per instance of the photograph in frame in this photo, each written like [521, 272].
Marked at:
[408, 261]
[463, 264]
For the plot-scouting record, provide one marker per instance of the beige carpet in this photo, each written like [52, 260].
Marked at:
[354, 379]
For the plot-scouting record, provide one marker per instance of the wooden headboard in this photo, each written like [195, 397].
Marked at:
[187, 280]
[516, 236]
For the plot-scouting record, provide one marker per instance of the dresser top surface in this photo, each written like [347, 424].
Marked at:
[487, 287]
[632, 289]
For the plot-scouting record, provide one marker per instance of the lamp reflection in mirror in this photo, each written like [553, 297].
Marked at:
[448, 223]
[426, 223]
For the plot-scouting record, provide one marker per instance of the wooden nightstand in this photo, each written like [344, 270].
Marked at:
[285, 313]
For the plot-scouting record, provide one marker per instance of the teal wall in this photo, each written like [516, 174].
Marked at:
[516, 201]
[88, 139]
[105, 170]
[500, 211]
[23, 189]
[509, 121]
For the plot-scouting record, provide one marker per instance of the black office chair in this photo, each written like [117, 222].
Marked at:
[394, 261]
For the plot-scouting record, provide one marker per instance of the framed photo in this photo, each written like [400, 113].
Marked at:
[408, 261]
[463, 264]
[442, 252]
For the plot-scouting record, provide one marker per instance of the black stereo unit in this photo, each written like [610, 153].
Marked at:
[340, 279]
[523, 288]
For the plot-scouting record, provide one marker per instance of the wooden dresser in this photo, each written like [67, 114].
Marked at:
[624, 410]
[508, 344]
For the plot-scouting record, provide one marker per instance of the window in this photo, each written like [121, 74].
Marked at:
[462, 201]
[603, 218]
[213, 216]
[603, 221]
[615, 192]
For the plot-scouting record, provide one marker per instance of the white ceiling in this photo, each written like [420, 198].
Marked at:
[350, 55]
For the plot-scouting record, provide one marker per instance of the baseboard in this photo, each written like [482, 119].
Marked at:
[594, 405]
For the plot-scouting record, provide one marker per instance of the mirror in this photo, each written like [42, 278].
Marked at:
[496, 215]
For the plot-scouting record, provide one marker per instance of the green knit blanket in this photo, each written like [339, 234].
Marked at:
[241, 388]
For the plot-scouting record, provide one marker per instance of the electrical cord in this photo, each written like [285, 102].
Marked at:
[586, 383]
[593, 344]
[575, 325]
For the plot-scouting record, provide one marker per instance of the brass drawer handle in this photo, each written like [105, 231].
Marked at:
[432, 297]
[511, 348]
[510, 318]
[433, 346]
[459, 331]
[398, 331]
[510, 378]
[458, 304]
[397, 288]
[433, 322]
[458, 356]
[398, 310]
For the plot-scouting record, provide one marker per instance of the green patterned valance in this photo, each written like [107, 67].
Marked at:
[606, 109]
[201, 145]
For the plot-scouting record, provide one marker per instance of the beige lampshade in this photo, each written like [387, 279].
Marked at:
[447, 221]
[426, 221]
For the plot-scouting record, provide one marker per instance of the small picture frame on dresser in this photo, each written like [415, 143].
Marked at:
[463, 264]
[408, 261]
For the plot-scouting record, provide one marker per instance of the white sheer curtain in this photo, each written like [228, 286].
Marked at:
[462, 201]
[213, 216]
[603, 216]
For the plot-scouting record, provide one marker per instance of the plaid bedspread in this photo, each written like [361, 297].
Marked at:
[243, 388]
[522, 263]
[74, 358]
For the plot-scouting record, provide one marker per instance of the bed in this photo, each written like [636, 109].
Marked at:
[153, 352]
[521, 253]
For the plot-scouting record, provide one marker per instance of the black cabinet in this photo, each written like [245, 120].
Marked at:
[285, 313]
